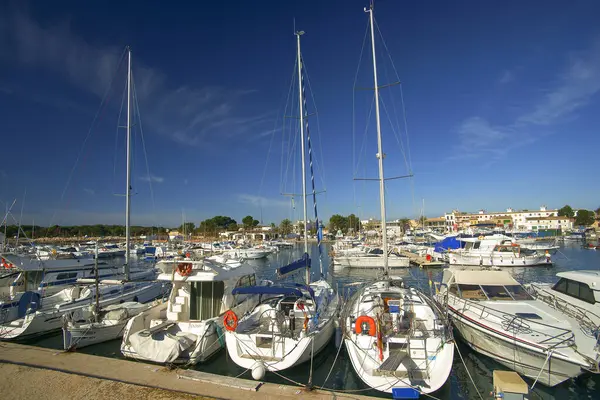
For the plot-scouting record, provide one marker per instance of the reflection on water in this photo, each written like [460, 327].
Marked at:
[571, 256]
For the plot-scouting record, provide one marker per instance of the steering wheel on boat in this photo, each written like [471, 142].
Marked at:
[278, 318]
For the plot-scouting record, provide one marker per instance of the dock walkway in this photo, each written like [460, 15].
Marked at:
[420, 261]
[34, 369]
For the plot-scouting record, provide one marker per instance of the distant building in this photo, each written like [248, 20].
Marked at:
[509, 219]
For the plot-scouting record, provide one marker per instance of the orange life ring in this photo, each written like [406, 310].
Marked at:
[184, 269]
[230, 320]
[187, 255]
[365, 319]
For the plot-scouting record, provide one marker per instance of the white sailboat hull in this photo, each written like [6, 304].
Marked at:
[243, 350]
[45, 321]
[93, 333]
[370, 261]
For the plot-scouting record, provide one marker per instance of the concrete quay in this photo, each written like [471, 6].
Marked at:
[53, 374]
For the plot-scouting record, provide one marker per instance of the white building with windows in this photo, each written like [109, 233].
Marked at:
[511, 219]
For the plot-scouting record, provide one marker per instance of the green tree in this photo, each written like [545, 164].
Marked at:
[338, 222]
[353, 223]
[584, 218]
[187, 227]
[285, 227]
[566, 211]
[249, 222]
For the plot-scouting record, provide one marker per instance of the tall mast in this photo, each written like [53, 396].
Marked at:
[301, 105]
[380, 154]
[128, 190]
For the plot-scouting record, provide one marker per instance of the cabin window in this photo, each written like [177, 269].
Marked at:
[496, 292]
[476, 245]
[66, 275]
[472, 292]
[34, 278]
[518, 292]
[246, 280]
[205, 299]
[579, 290]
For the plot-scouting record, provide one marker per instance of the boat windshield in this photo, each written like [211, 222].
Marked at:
[518, 292]
[493, 292]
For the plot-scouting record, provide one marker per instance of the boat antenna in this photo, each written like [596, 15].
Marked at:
[301, 106]
[380, 154]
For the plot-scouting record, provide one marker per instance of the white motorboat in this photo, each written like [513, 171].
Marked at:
[188, 328]
[497, 251]
[496, 317]
[577, 296]
[397, 339]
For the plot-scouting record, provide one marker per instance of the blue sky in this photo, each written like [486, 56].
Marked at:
[501, 102]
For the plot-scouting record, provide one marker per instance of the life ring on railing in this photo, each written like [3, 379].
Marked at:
[481, 237]
[365, 319]
[187, 255]
[184, 269]
[230, 320]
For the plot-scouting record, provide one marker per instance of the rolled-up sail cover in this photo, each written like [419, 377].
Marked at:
[294, 266]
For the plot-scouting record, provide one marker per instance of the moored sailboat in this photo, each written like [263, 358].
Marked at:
[291, 323]
[397, 339]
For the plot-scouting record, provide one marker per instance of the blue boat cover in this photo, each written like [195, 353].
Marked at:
[448, 243]
[296, 265]
[284, 290]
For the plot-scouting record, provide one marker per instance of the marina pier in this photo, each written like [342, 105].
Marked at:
[69, 375]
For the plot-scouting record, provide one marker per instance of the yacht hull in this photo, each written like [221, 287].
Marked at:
[46, 321]
[511, 354]
[370, 262]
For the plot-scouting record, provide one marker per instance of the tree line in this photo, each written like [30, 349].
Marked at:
[583, 217]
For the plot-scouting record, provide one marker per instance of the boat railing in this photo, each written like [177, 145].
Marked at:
[582, 315]
[520, 325]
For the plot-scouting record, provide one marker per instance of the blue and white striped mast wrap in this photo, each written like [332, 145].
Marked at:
[312, 175]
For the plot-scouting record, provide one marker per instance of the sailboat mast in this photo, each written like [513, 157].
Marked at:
[128, 190]
[301, 105]
[380, 154]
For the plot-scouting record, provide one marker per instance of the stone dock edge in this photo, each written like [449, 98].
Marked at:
[155, 376]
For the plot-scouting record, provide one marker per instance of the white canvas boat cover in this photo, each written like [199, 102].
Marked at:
[161, 346]
[484, 277]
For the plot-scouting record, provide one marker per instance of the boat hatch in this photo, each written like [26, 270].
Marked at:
[528, 315]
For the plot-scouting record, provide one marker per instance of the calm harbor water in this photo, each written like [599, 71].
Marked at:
[343, 378]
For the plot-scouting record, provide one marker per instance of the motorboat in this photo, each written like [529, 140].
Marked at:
[577, 296]
[496, 250]
[497, 317]
[188, 328]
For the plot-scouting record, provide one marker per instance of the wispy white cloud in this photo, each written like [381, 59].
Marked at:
[152, 178]
[189, 115]
[574, 89]
[89, 191]
[506, 77]
[259, 201]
